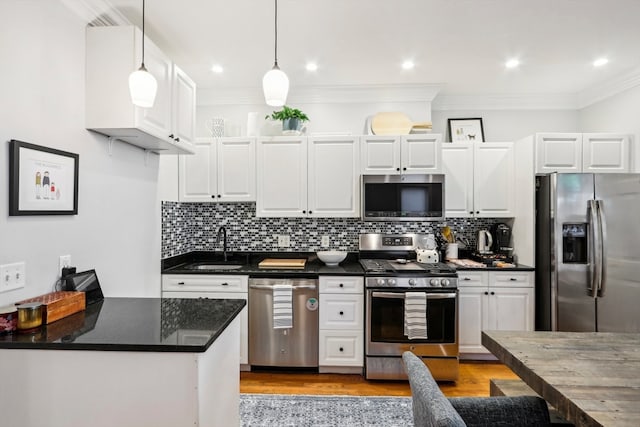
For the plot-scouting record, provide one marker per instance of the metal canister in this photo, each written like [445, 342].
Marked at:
[29, 315]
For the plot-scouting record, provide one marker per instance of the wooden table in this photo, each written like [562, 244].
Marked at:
[592, 379]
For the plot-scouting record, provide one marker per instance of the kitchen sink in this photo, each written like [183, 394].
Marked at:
[215, 267]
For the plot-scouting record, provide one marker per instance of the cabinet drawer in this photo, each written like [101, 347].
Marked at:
[341, 311]
[473, 278]
[342, 284]
[341, 348]
[204, 283]
[512, 278]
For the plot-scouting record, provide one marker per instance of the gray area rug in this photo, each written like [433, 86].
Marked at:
[303, 410]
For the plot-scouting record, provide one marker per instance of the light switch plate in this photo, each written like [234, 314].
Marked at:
[12, 276]
[324, 242]
[283, 241]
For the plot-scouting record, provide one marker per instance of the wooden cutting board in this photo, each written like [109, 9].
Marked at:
[59, 304]
[394, 123]
[288, 263]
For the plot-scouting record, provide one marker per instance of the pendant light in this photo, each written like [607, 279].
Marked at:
[142, 85]
[275, 82]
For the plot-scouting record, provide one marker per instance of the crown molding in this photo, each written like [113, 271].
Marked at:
[347, 94]
[610, 88]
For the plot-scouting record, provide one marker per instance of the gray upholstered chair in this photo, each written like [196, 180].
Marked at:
[432, 409]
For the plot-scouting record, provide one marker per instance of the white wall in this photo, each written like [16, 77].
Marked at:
[117, 229]
[619, 113]
[505, 125]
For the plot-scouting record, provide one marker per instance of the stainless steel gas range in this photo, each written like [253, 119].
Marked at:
[392, 275]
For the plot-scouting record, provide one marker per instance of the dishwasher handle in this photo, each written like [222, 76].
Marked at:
[271, 287]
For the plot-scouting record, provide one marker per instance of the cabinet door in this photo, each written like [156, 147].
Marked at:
[340, 348]
[421, 153]
[157, 119]
[493, 179]
[236, 169]
[380, 155]
[184, 107]
[281, 177]
[473, 316]
[341, 311]
[558, 152]
[605, 152]
[511, 309]
[334, 177]
[457, 165]
[196, 173]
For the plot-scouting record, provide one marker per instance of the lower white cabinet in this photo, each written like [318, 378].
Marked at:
[341, 335]
[493, 300]
[216, 287]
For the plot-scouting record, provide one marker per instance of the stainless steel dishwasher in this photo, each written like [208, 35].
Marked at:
[291, 347]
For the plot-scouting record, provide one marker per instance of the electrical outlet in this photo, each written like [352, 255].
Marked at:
[283, 241]
[63, 261]
[12, 276]
[324, 242]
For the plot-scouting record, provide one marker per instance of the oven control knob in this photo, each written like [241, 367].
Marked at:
[445, 282]
[392, 282]
[412, 282]
[380, 282]
[434, 282]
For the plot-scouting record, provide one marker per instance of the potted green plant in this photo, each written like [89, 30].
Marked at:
[292, 120]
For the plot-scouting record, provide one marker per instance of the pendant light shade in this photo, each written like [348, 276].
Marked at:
[275, 83]
[142, 85]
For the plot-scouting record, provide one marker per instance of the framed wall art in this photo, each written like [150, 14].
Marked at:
[466, 130]
[42, 180]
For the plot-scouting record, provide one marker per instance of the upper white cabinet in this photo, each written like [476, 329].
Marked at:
[479, 179]
[112, 53]
[391, 155]
[582, 152]
[222, 170]
[314, 176]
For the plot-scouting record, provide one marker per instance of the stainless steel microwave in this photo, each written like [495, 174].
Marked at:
[402, 197]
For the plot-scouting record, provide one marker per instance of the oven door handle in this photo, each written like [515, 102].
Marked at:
[400, 295]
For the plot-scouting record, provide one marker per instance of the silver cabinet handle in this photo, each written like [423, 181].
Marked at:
[603, 248]
[593, 249]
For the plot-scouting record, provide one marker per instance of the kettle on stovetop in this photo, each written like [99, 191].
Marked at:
[484, 242]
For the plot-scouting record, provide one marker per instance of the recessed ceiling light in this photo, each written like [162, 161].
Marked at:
[512, 63]
[408, 65]
[600, 62]
[312, 66]
[217, 69]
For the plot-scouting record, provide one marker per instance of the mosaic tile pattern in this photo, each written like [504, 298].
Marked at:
[190, 227]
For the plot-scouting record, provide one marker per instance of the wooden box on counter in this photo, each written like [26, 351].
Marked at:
[57, 305]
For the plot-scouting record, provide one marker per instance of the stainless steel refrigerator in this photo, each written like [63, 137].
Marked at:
[588, 252]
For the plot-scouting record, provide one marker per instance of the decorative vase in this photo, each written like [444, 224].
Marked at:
[291, 126]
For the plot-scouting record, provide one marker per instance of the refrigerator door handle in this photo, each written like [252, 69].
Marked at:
[603, 248]
[594, 249]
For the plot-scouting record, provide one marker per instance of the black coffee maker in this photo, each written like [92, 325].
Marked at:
[502, 240]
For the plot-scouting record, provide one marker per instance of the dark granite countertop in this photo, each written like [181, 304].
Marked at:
[134, 324]
[518, 267]
[248, 262]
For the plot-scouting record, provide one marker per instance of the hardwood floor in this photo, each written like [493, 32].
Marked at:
[474, 381]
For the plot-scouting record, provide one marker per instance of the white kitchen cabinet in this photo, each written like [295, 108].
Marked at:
[213, 286]
[222, 170]
[112, 53]
[341, 335]
[479, 179]
[493, 300]
[315, 176]
[410, 154]
[582, 152]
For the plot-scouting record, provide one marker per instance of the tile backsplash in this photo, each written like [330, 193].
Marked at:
[190, 227]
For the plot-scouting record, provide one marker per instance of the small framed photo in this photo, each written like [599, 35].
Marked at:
[466, 130]
[42, 180]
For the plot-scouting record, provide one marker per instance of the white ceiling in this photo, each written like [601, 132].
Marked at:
[460, 44]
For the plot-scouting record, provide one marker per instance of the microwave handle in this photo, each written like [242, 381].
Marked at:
[400, 295]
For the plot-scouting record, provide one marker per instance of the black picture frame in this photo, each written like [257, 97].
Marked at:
[42, 180]
[467, 129]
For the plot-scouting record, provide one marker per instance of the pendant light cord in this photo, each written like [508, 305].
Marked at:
[275, 65]
[143, 34]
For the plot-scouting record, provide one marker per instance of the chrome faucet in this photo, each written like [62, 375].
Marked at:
[223, 230]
